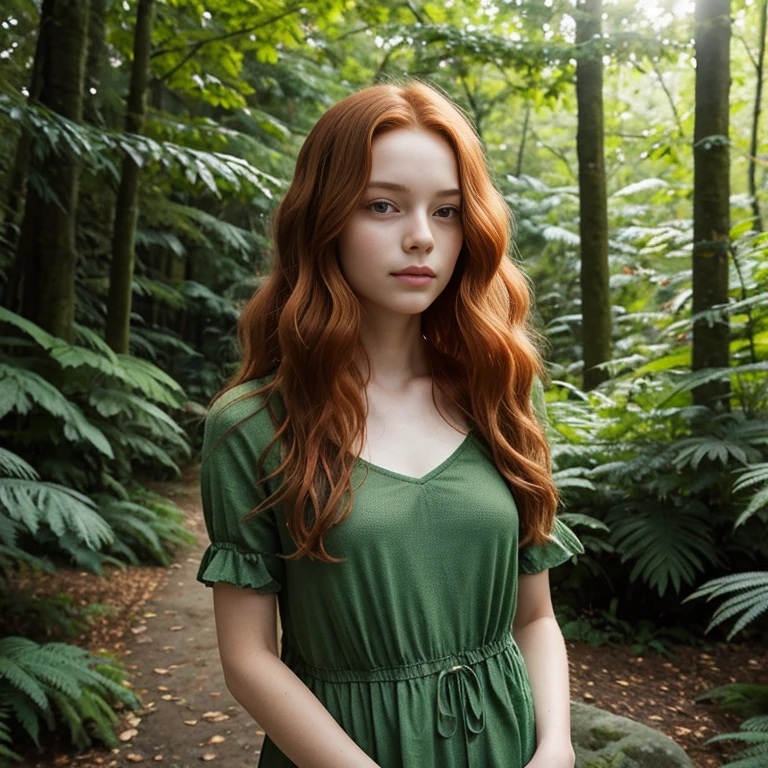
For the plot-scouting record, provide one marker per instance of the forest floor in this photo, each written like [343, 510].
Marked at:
[163, 630]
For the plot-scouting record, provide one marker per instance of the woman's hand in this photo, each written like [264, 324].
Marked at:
[553, 756]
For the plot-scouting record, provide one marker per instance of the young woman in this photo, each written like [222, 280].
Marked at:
[381, 433]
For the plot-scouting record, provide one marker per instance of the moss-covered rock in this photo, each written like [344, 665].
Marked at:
[604, 740]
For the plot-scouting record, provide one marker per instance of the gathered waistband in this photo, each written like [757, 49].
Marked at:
[404, 672]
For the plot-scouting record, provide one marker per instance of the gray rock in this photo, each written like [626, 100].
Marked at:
[604, 740]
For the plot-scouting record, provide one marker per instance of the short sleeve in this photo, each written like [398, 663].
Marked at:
[562, 546]
[240, 553]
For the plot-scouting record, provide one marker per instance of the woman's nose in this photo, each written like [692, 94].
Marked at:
[418, 234]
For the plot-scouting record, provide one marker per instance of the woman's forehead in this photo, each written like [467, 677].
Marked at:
[414, 159]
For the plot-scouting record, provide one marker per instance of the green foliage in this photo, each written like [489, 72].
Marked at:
[101, 150]
[745, 699]
[147, 528]
[100, 404]
[663, 494]
[52, 617]
[751, 602]
[55, 682]
[667, 484]
[604, 627]
[757, 474]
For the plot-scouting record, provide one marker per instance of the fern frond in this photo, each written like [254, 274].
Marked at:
[666, 544]
[18, 677]
[228, 235]
[92, 339]
[12, 465]
[575, 519]
[160, 290]
[152, 381]
[41, 337]
[213, 303]
[756, 723]
[111, 402]
[136, 446]
[751, 604]
[757, 474]
[165, 340]
[150, 523]
[695, 379]
[65, 510]
[692, 451]
[21, 388]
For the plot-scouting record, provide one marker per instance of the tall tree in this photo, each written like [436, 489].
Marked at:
[126, 207]
[95, 63]
[17, 187]
[711, 192]
[759, 63]
[593, 206]
[47, 245]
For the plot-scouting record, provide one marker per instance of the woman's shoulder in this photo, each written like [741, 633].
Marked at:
[241, 405]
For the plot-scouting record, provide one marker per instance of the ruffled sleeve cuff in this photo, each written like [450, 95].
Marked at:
[561, 547]
[228, 563]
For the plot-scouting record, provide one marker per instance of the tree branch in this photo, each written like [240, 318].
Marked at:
[198, 45]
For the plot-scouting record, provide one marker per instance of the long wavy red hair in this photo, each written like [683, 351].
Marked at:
[303, 323]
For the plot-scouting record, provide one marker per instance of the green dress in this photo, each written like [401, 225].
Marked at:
[408, 643]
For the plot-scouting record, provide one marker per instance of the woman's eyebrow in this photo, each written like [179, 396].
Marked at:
[401, 188]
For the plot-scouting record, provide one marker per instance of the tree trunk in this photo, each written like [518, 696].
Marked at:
[711, 191]
[17, 186]
[521, 148]
[593, 206]
[47, 244]
[126, 208]
[759, 64]
[94, 67]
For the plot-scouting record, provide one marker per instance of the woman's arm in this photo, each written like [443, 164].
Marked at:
[541, 642]
[292, 716]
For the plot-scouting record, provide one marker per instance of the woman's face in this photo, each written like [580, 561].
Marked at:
[418, 225]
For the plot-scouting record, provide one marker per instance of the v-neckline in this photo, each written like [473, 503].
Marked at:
[432, 473]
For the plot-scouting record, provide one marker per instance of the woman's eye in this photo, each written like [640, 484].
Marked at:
[385, 203]
[378, 202]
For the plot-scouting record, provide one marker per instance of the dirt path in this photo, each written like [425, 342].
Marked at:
[164, 631]
[165, 634]
[192, 717]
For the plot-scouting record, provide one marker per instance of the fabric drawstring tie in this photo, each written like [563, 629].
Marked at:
[458, 687]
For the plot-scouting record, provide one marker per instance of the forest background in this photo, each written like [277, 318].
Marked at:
[145, 144]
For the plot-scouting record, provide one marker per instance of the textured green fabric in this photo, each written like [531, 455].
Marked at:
[408, 642]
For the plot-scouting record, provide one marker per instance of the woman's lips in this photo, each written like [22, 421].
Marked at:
[418, 280]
